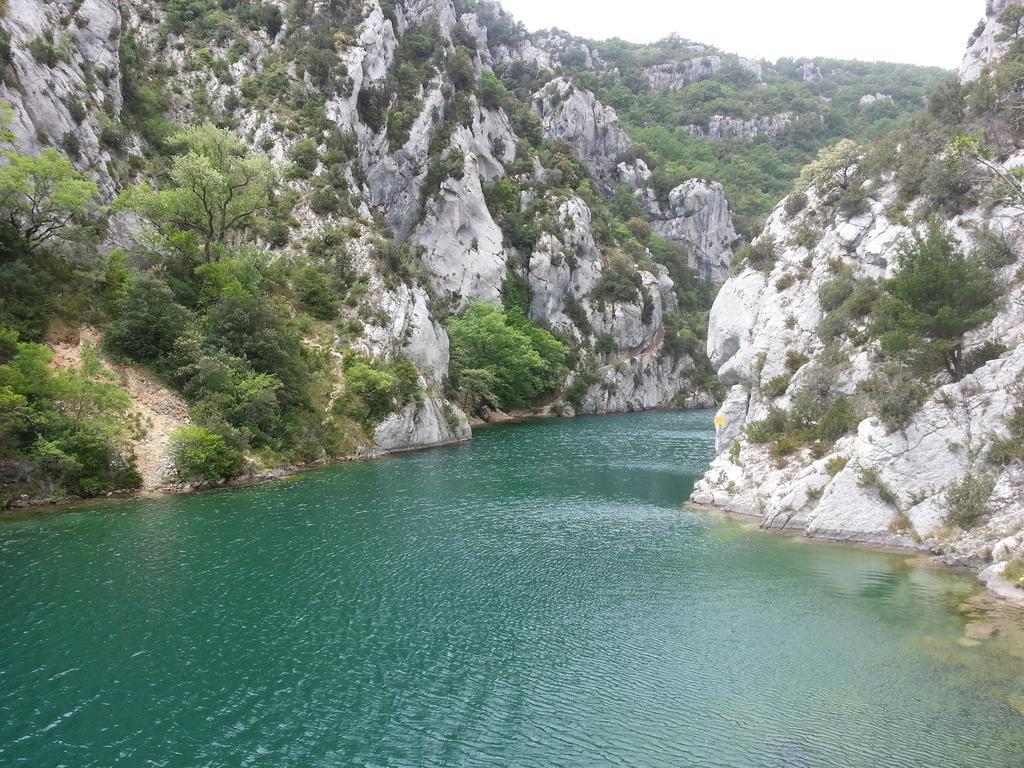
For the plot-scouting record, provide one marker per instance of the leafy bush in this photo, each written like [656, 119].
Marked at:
[795, 360]
[201, 455]
[795, 202]
[785, 282]
[895, 394]
[773, 425]
[836, 464]
[398, 261]
[375, 388]
[620, 280]
[980, 355]
[777, 387]
[305, 157]
[315, 292]
[966, 500]
[147, 322]
[1007, 450]
[605, 345]
[62, 432]
[760, 254]
[993, 248]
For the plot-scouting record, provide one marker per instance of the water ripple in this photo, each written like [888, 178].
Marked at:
[535, 599]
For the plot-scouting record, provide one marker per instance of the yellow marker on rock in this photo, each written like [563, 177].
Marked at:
[720, 421]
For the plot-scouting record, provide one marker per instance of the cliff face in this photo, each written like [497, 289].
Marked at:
[65, 79]
[775, 345]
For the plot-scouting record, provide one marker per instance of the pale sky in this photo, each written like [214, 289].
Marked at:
[930, 32]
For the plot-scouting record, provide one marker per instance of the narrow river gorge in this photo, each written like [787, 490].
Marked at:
[538, 597]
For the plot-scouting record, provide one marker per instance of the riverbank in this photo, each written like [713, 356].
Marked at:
[989, 574]
[28, 505]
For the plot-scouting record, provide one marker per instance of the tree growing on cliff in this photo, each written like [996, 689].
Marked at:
[213, 192]
[1008, 183]
[938, 295]
[42, 196]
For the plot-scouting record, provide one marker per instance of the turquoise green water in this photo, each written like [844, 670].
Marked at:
[536, 598]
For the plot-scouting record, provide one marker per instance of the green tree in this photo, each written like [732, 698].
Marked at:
[525, 363]
[833, 169]
[42, 195]
[214, 189]
[147, 322]
[1008, 182]
[938, 295]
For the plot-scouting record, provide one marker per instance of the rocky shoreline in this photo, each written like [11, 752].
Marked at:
[987, 573]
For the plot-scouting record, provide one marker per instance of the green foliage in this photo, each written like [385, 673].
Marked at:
[202, 455]
[795, 361]
[316, 292]
[1005, 450]
[492, 93]
[147, 322]
[61, 432]
[215, 188]
[979, 356]
[756, 173]
[451, 165]
[515, 296]
[836, 464]
[817, 419]
[305, 157]
[939, 294]
[399, 262]
[966, 500]
[870, 478]
[375, 388]
[760, 254]
[795, 203]
[605, 345]
[1014, 570]
[525, 363]
[777, 386]
[896, 395]
[833, 170]
[43, 196]
[45, 51]
[620, 280]
[848, 303]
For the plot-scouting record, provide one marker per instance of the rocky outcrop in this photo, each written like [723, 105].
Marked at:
[564, 274]
[884, 484]
[698, 217]
[463, 250]
[674, 75]
[433, 422]
[451, 249]
[575, 115]
[63, 87]
[879, 484]
[875, 98]
[810, 72]
[720, 127]
[991, 39]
